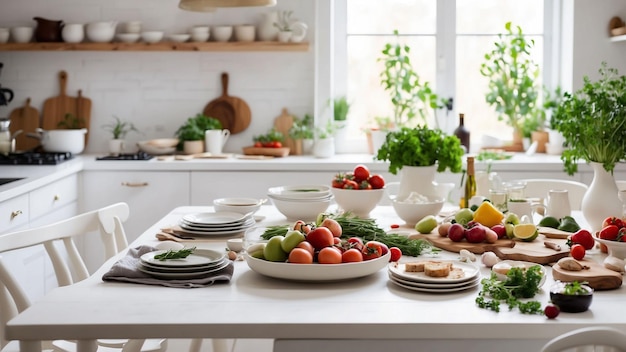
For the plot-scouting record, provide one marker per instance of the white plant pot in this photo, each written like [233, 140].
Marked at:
[116, 146]
[284, 36]
[324, 148]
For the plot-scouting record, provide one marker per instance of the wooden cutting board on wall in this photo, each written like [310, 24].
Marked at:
[26, 119]
[282, 124]
[56, 108]
[234, 113]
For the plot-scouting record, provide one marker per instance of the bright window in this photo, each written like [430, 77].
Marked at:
[448, 40]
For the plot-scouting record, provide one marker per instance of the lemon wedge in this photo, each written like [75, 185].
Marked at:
[525, 232]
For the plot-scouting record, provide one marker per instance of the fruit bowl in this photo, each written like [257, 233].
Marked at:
[615, 248]
[316, 271]
[571, 303]
[358, 201]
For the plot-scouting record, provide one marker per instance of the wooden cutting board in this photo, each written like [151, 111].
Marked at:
[26, 119]
[553, 233]
[55, 108]
[598, 277]
[451, 246]
[283, 124]
[276, 152]
[232, 112]
[83, 111]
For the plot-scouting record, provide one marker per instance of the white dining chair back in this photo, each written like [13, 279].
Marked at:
[587, 337]
[58, 239]
[621, 185]
[539, 188]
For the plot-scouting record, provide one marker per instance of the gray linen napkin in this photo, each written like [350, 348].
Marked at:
[126, 270]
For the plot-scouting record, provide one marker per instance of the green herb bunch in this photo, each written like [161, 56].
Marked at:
[273, 135]
[175, 254]
[120, 128]
[194, 128]
[302, 128]
[340, 108]
[520, 283]
[71, 122]
[593, 121]
[421, 146]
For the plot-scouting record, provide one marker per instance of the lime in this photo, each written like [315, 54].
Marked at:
[549, 221]
[525, 232]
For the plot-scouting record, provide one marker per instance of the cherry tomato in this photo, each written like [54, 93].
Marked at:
[621, 235]
[355, 242]
[551, 311]
[383, 247]
[577, 251]
[394, 226]
[372, 250]
[376, 181]
[338, 181]
[329, 255]
[361, 173]
[396, 254]
[609, 232]
[308, 246]
[277, 144]
[300, 256]
[352, 255]
[583, 237]
[349, 184]
[612, 220]
[258, 144]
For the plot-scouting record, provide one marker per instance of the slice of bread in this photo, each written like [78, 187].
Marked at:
[456, 273]
[433, 269]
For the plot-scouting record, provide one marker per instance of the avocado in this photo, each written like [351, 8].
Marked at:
[550, 221]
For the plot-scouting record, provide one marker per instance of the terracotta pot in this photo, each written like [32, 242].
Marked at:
[542, 138]
[193, 147]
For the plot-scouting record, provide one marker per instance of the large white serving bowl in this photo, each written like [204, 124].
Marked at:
[316, 271]
[615, 248]
[238, 205]
[300, 192]
[359, 202]
[412, 213]
[305, 210]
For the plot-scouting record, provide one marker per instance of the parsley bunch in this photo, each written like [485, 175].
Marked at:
[519, 284]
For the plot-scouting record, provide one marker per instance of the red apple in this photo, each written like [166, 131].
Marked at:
[320, 237]
[456, 232]
[476, 234]
[500, 230]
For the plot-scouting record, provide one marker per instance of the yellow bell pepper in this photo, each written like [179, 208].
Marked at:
[488, 215]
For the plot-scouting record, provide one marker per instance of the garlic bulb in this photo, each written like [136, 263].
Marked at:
[614, 263]
[490, 259]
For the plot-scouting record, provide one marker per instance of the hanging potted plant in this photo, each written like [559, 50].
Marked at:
[419, 153]
[593, 122]
[513, 88]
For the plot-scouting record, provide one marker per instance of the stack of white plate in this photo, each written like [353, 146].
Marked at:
[301, 202]
[200, 263]
[217, 223]
[418, 281]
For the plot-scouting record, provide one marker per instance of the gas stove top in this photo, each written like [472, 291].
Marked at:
[135, 156]
[34, 158]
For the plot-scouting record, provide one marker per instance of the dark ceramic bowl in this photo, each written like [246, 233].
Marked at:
[571, 303]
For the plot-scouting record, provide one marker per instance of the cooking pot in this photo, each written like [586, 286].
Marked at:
[61, 141]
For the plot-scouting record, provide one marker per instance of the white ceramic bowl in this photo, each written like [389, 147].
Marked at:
[179, 38]
[146, 146]
[222, 33]
[358, 201]
[300, 192]
[245, 33]
[128, 37]
[152, 36]
[615, 249]
[238, 205]
[22, 34]
[164, 142]
[101, 32]
[306, 210]
[411, 213]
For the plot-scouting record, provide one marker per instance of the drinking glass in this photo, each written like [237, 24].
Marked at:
[515, 189]
[498, 198]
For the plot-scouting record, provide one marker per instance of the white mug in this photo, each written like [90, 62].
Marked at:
[522, 207]
[215, 140]
[558, 204]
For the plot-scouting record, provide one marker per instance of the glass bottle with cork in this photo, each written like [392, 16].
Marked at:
[462, 133]
[470, 184]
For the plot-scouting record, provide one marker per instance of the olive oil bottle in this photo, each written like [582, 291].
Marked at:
[470, 184]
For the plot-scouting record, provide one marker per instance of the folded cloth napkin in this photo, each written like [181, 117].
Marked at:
[127, 270]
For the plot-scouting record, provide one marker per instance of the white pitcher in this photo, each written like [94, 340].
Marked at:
[558, 204]
[215, 140]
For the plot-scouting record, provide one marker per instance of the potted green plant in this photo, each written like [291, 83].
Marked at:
[191, 134]
[420, 152]
[410, 95]
[119, 129]
[301, 131]
[324, 146]
[512, 88]
[283, 24]
[341, 107]
[592, 121]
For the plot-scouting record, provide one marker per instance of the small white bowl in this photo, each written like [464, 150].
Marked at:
[235, 244]
[145, 146]
[128, 37]
[238, 205]
[300, 209]
[412, 213]
[152, 36]
[222, 33]
[22, 34]
[360, 202]
[179, 38]
[200, 37]
[300, 192]
[164, 142]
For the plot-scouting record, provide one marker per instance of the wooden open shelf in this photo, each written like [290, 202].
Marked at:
[618, 38]
[161, 46]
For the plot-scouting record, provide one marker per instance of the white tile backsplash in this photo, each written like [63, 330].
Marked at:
[158, 91]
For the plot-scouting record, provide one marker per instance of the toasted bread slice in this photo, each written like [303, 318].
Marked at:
[437, 269]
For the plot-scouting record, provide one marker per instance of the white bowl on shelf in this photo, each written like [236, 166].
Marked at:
[179, 38]
[128, 37]
[152, 36]
[222, 33]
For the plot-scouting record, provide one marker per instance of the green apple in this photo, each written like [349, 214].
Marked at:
[508, 227]
[511, 218]
[273, 250]
[292, 239]
[427, 224]
[463, 216]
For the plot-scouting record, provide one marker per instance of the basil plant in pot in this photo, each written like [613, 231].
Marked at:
[593, 122]
[419, 153]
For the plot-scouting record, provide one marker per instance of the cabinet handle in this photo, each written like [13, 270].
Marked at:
[15, 213]
[135, 184]
[57, 197]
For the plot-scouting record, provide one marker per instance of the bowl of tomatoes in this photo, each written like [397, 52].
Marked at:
[358, 191]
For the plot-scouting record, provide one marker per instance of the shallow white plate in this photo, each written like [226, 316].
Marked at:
[222, 218]
[199, 257]
[435, 290]
[433, 285]
[213, 233]
[316, 271]
[471, 271]
[180, 269]
[517, 263]
[300, 191]
[229, 226]
[182, 275]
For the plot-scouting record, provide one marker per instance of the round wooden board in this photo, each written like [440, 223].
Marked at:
[232, 112]
[597, 276]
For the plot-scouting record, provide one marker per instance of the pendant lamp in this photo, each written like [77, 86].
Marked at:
[196, 6]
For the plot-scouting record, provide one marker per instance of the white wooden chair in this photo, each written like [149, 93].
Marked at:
[539, 188]
[587, 337]
[69, 268]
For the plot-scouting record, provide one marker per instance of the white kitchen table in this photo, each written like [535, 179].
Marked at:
[254, 306]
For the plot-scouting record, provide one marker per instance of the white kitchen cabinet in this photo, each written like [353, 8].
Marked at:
[149, 194]
[14, 213]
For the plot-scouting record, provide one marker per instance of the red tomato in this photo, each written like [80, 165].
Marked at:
[338, 181]
[361, 173]
[577, 251]
[320, 237]
[394, 226]
[372, 250]
[329, 255]
[308, 246]
[621, 236]
[383, 247]
[609, 233]
[355, 242]
[612, 220]
[300, 256]
[336, 241]
[583, 237]
[396, 254]
[349, 184]
[376, 181]
[352, 255]
[258, 144]
[277, 144]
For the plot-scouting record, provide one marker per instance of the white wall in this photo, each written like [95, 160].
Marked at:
[159, 90]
